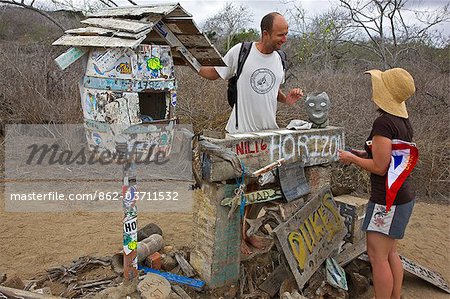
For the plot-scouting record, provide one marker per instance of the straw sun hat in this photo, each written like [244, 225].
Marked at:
[390, 90]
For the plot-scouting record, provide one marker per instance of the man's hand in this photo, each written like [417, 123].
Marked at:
[293, 96]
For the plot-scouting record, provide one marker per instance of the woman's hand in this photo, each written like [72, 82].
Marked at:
[346, 157]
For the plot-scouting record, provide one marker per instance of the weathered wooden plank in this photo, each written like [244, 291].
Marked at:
[194, 40]
[136, 11]
[97, 41]
[185, 266]
[173, 41]
[182, 293]
[70, 56]
[108, 32]
[256, 197]
[351, 252]
[116, 24]
[182, 26]
[16, 293]
[216, 252]
[271, 285]
[312, 147]
[310, 235]
[207, 56]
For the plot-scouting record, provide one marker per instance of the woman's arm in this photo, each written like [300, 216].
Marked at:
[381, 152]
[359, 153]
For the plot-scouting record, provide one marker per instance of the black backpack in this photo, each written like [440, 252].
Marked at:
[232, 82]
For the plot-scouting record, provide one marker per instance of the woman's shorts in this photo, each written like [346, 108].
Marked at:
[392, 223]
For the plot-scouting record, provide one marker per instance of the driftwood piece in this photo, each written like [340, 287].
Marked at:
[273, 283]
[185, 266]
[93, 283]
[256, 224]
[15, 293]
[180, 292]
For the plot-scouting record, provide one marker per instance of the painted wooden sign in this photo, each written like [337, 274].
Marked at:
[256, 197]
[419, 271]
[256, 150]
[310, 235]
[293, 181]
[353, 209]
[422, 272]
[335, 274]
[70, 56]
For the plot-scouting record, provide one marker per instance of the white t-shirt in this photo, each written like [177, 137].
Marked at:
[257, 89]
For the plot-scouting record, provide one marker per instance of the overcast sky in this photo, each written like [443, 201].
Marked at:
[203, 9]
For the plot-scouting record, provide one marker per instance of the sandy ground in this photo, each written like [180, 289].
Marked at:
[34, 241]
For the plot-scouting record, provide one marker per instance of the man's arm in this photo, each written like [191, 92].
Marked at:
[291, 98]
[209, 72]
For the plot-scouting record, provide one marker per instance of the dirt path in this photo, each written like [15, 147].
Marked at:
[33, 242]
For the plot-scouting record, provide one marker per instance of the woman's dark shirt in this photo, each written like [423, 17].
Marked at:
[392, 127]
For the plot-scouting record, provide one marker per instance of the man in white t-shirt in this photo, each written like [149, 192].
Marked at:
[258, 90]
[258, 87]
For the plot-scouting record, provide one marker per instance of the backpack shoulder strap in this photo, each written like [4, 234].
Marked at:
[243, 54]
[283, 56]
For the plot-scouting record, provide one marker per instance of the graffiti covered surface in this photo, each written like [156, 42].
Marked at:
[257, 150]
[147, 62]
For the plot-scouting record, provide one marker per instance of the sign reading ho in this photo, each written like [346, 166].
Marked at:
[310, 235]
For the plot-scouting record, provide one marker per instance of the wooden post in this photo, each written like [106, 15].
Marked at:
[216, 252]
[130, 263]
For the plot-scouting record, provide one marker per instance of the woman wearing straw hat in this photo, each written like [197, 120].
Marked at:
[390, 156]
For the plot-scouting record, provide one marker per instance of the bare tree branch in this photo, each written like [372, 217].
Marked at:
[31, 7]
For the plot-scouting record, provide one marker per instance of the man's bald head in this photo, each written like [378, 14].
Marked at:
[267, 21]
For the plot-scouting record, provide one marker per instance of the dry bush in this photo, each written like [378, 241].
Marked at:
[33, 89]
[201, 102]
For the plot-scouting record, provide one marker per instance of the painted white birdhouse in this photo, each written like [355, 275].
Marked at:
[129, 89]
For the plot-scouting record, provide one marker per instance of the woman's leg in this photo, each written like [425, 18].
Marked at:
[378, 249]
[397, 271]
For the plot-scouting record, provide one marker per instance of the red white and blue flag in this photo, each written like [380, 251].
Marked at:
[404, 158]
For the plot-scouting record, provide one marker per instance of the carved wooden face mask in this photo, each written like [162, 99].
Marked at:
[317, 107]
